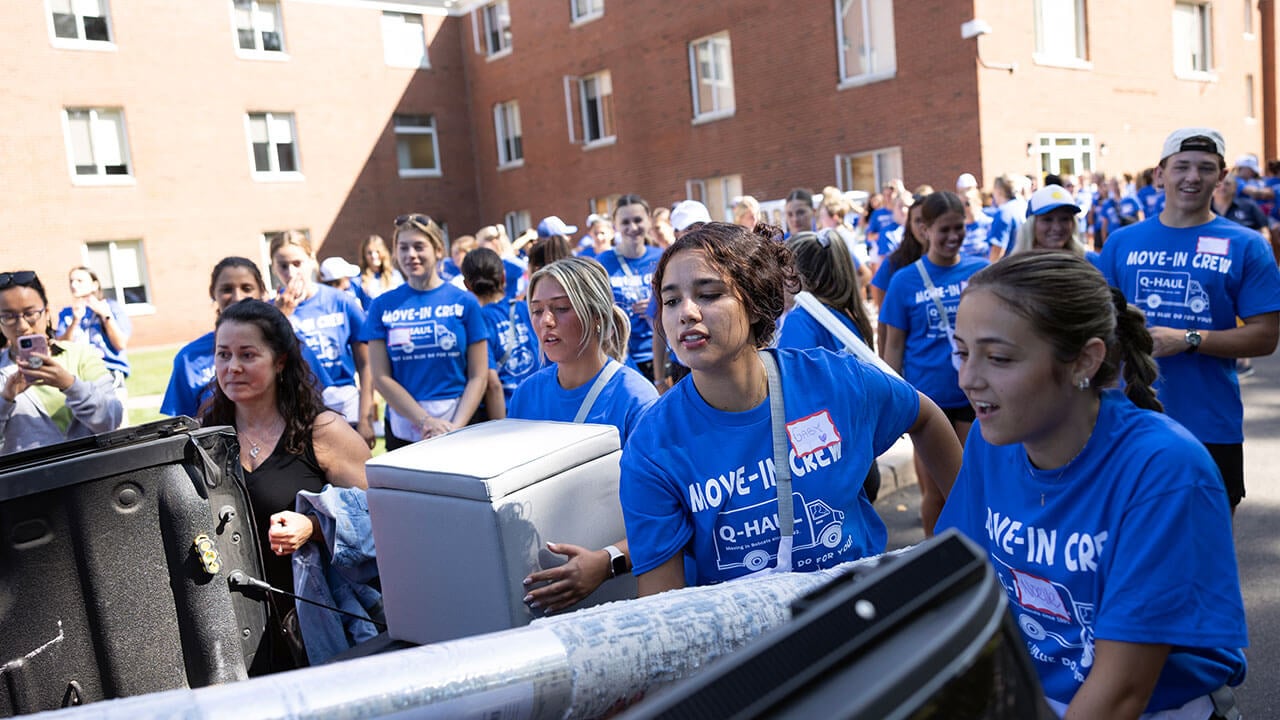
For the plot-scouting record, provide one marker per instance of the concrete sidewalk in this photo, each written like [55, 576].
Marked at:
[896, 467]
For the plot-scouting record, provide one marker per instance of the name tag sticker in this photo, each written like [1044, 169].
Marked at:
[810, 434]
[399, 336]
[1213, 245]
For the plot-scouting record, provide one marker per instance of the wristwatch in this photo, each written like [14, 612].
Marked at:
[1193, 340]
[617, 561]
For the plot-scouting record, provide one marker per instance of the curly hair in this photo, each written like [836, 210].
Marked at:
[297, 399]
[758, 269]
[1068, 302]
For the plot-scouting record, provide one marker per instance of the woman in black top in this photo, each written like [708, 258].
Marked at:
[288, 441]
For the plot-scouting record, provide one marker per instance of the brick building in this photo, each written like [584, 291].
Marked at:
[149, 138]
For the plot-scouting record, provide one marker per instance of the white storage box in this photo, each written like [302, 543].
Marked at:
[460, 520]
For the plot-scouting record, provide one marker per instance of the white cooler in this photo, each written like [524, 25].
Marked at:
[460, 520]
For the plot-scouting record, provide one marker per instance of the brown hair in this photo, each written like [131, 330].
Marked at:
[759, 270]
[826, 269]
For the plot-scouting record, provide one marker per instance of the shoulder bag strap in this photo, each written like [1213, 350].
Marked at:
[781, 465]
[933, 293]
[611, 368]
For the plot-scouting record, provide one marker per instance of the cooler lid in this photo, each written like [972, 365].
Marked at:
[491, 460]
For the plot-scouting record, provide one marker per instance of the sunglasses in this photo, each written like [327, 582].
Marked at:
[418, 219]
[22, 277]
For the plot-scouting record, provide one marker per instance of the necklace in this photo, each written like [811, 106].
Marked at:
[1063, 471]
[256, 450]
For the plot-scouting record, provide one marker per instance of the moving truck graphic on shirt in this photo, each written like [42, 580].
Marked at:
[747, 537]
[1158, 288]
[1047, 609]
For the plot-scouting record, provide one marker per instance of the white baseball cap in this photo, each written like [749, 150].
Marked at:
[335, 268]
[966, 181]
[1194, 138]
[688, 212]
[1048, 198]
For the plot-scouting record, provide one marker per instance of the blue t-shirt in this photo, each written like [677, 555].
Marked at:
[1151, 200]
[190, 383]
[1129, 542]
[621, 403]
[92, 332]
[427, 333]
[884, 274]
[448, 269]
[700, 481]
[926, 356]
[511, 338]
[881, 220]
[632, 281]
[802, 331]
[329, 322]
[1005, 223]
[1202, 278]
[977, 237]
[889, 240]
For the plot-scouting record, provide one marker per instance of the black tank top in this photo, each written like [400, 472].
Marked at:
[272, 488]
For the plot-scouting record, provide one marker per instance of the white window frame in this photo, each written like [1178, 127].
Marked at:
[602, 78]
[428, 129]
[258, 52]
[398, 44]
[1047, 152]
[1080, 57]
[716, 193]
[716, 47]
[81, 42]
[877, 73]
[1250, 101]
[516, 222]
[486, 43]
[274, 174]
[1204, 26]
[115, 292]
[507, 131]
[1249, 21]
[886, 167]
[594, 11]
[97, 138]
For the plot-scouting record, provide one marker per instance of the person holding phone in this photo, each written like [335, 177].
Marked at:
[49, 391]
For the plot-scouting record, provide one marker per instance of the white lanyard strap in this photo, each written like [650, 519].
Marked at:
[933, 292]
[781, 464]
[611, 368]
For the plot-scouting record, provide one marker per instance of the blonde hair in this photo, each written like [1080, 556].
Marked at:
[367, 273]
[1026, 239]
[292, 237]
[742, 206]
[586, 284]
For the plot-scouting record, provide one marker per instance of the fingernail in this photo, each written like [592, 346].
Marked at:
[527, 599]
[534, 605]
[528, 581]
[549, 544]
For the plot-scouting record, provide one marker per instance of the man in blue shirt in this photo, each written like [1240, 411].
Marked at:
[1193, 273]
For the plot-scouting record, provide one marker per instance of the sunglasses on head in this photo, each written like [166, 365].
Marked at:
[22, 277]
[418, 219]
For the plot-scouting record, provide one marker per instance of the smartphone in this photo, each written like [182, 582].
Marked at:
[29, 345]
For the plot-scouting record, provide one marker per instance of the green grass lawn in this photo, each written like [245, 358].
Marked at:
[148, 378]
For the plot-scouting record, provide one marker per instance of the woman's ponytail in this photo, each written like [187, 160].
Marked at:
[1134, 345]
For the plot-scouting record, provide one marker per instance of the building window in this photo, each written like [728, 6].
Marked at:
[273, 144]
[711, 72]
[404, 40]
[1248, 17]
[864, 36]
[717, 193]
[497, 27]
[1065, 154]
[584, 10]
[417, 151]
[603, 205]
[80, 23]
[517, 221]
[506, 126]
[1192, 38]
[596, 93]
[259, 27]
[96, 143]
[868, 171]
[1060, 31]
[1250, 111]
[122, 270]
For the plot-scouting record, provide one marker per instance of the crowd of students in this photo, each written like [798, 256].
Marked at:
[737, 362]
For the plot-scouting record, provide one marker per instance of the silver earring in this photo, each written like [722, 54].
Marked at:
[1083, 383]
